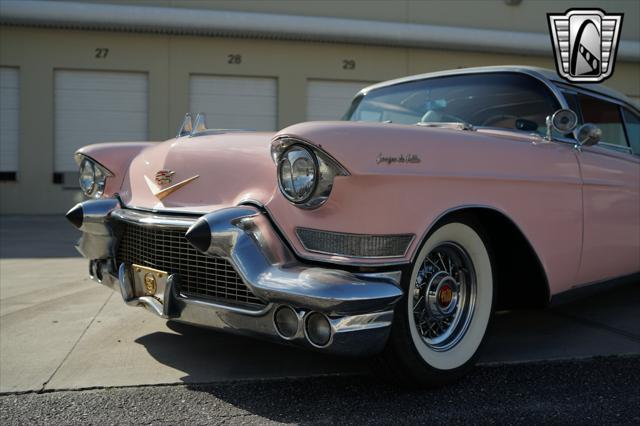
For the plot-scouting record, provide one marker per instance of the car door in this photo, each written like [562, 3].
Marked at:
[610, 173]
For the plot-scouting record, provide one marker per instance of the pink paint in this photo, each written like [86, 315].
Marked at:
[537, 184]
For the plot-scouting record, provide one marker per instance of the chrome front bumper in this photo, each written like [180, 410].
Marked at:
[358, 306]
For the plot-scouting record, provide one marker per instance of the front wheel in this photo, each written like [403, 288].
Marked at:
[441, 320]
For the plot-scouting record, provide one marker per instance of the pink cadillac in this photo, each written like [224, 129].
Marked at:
[395, 233]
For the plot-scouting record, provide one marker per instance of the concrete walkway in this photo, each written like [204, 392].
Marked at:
[58, 330]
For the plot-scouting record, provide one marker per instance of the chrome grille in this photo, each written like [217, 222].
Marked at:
[168, 250]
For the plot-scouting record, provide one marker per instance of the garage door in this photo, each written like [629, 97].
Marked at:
[9, 123]
[97, 106]
[329, 100]
[235, 102]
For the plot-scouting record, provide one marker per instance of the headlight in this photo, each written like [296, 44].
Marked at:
[93, 177]
[297, 174]
[305, 172]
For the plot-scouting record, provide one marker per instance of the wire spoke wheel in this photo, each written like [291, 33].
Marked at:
[444, 296]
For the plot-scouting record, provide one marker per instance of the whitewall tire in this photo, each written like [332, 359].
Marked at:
[441, 321]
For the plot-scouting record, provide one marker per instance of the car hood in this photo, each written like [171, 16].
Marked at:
[207, 173]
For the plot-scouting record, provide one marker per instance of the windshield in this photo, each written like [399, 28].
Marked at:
[503, 100]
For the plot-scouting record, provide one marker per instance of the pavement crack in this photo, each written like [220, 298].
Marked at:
[602, 326]
[44, 385]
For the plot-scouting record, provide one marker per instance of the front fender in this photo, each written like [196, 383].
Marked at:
[535, 184]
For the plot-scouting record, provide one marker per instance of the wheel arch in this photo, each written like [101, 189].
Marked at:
[512, 253]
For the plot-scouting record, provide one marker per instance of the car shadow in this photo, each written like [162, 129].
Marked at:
[220, 364]
[207, 355]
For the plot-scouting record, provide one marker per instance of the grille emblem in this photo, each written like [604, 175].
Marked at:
[150, 285]
[164, 176]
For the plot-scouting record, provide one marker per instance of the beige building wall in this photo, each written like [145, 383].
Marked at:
[170, 60]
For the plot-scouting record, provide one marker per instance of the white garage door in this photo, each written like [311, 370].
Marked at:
[9, 120]
[97, 106]
[235, 102]
[329, 100]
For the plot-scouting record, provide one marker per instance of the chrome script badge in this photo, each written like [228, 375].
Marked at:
[585, 42]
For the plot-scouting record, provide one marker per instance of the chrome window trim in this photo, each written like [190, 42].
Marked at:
[626, 131]
[594, 94]
[620, 104]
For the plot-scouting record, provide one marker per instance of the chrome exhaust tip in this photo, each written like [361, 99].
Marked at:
[286, 322]
[318, 330]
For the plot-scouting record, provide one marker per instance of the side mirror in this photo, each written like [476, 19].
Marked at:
[588, 134]
[563, 121]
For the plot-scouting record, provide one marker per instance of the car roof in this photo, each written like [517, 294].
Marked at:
[550, 76]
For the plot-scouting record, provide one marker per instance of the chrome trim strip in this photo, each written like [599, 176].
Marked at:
[151, 219]
[230, 308]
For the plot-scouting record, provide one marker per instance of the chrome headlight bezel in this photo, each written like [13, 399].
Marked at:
[326, 168]
[93, 176]
[289, 185]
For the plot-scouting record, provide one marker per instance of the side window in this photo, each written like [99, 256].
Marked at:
[632, 123]
[605, 115]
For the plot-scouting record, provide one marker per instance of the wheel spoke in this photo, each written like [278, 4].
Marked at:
[417, 304]
[434, 265]
[447, 268]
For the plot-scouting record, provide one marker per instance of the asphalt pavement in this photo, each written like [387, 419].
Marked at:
[61, 334]
[586, 392]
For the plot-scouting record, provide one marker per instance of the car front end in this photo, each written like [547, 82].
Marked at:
[226, 264]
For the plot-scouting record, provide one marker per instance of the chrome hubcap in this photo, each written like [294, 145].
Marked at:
[444, 296]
